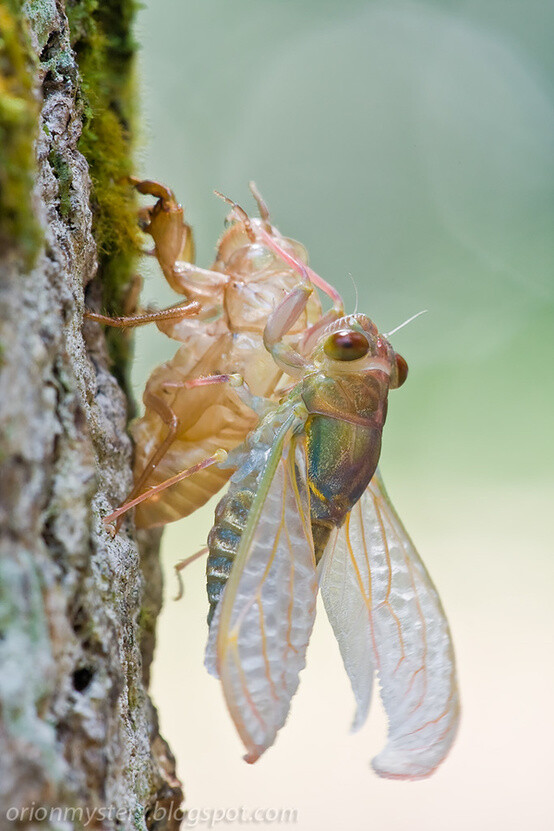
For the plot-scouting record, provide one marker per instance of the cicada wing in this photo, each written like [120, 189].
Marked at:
[262, 624]
[387, 614]
[343, 589]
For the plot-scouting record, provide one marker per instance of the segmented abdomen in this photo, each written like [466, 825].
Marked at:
[231, 514]
[223, 541]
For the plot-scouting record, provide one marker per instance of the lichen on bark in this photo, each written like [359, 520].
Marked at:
[78, 732]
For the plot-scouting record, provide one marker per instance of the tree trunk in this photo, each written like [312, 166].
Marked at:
[79, 741]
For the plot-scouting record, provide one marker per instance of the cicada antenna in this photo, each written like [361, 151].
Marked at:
[355, 292]
[413, 317]
[241, 213]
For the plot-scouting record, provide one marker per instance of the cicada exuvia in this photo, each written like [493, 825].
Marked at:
[191, 409]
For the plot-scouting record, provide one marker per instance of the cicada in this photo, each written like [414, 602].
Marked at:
[306, 509]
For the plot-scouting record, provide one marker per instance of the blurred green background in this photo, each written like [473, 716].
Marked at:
[409, 146]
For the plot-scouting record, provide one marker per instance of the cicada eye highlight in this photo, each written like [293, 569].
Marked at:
[401, 370]
[346, 346]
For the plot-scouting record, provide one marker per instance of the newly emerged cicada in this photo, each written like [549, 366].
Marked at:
[306, 509]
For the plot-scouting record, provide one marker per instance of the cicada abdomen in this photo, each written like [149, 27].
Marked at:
[233, 510]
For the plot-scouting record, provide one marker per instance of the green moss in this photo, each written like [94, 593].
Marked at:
[19, 230]
[146, 620]
[134, 700]
[64, 175]
[102, 39]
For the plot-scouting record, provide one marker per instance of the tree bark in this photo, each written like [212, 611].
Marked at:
[79, 742]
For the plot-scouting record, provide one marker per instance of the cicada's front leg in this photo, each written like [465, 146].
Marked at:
[172, 240]
[279, 323]
[164, 221]
[174, 250]
[174, 245]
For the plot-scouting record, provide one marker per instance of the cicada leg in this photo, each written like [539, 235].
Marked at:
[281, 321]
[216, 458]
[171, 420]
[176, 312]
[174, 250]
[312, 333]
[181, 566]
[304, 271]
[164, 222]
[174, 243]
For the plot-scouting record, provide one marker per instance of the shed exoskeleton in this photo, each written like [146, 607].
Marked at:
[190, 408]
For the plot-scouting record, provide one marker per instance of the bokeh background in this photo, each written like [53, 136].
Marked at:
[409, 146]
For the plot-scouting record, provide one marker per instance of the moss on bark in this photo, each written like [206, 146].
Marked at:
[101, 37]
[100, 34]
[19, 230]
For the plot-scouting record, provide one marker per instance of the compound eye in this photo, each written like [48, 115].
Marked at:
[346, 346]
[401, 370]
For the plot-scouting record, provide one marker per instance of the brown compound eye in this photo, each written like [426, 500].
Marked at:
[346, 346]
[401, 370]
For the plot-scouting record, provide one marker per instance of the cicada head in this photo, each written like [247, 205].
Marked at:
[239, 251]
[353, 344]
[260, 279]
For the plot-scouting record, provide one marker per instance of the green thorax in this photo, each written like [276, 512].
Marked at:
[343, 431]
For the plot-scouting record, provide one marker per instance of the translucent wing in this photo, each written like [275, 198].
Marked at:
[260, 631]
[388, 618]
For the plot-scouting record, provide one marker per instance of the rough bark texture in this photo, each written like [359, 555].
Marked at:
[78, 733]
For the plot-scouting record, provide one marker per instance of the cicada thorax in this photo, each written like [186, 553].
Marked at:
[347, 405]
[343, 452]
[213, 417]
